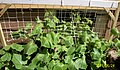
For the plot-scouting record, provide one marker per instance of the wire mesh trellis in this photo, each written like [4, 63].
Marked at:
[16, 18]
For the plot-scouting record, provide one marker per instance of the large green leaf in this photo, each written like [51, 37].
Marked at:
[81, 63]
[51, 65]
[42, 68]
[68, 41]
[95, 54]
[55, 37]
[27, 68]
[38, 20]
[55, 56]
[50, 22]
[46, 58]
[71, 66]
[36, 59]
[117, 44]
[59, 65]
[55, 19]
[115, 31]
[28, 26]
[70, 50]
[81, 49]
[2, 52]
[6, 57]
[1, 65]
[17, 47]
[68, 59]
[7, 47]
[30, 48]
[56, 67]
[98, 63]
[37, 30]
[17, 61]
[85, 36]
[45, 42]
[98, 44]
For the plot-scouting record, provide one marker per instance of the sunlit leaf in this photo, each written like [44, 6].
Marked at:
[30, 48]
[17, 47]
[6, 57]
[81, 63]
[17, 61]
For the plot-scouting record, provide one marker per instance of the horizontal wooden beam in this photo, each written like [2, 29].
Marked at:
[52, 6]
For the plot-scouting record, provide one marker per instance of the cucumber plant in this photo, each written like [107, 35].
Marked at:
[57, 45]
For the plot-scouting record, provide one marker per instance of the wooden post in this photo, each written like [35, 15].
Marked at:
[116, 19]
[2, 38]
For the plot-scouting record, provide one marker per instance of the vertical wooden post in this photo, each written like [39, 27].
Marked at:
[116, 19]
[2, 38]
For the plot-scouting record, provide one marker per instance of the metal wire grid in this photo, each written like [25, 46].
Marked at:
[13, 19]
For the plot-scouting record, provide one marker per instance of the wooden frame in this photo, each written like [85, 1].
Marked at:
[115, 19]
[2, 38]
[4, 9]
[108, 10]
[53, 6]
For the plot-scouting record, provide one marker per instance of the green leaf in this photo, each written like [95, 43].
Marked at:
[68, 59]
[68, 41]
[70, 50]
[81, 63]
[95, 54]
[37, 58]
[37, 29]
[98, 63]
[56, 67]
[1, 65]
[55, 37]
[6, 57]
[46, 58]
[51, 24]
[2, 52]
[7, 47]
[45, 42]
[28, 26]
[42, 68]
[51, 65]
[117, 44]
[71, 66]
[81, 49]
[30, 48]
[115, 31]
[27, 68]
[38, 20]
[17, 47]
[55, 19]
[85, 36]
[55, 56]
[17, 61]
